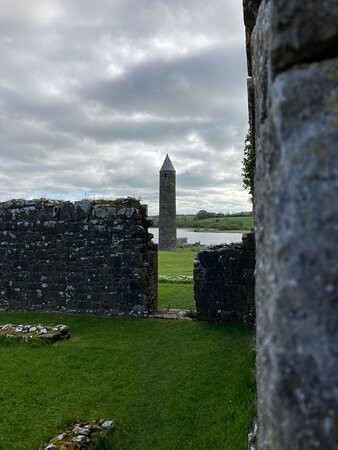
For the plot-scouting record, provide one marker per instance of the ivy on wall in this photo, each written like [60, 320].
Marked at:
[249, 161]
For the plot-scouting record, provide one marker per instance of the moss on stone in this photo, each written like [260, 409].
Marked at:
[128, 202]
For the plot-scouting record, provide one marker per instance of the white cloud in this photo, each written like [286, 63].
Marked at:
[94, 94]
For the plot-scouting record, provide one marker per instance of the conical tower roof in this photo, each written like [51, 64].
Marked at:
[167, 166]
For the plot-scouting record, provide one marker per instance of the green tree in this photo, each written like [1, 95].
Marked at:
[249, 161]
[202, 214]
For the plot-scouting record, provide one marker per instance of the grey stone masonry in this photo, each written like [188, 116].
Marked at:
[293, 52]
[224, 283]
[86, 256]
[167, 217]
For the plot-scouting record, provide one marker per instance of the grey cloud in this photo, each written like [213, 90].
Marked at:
[69, 126]
[202, 83]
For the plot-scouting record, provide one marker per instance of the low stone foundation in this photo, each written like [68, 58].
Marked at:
[27, 333]
[224, 283]
[80, 435]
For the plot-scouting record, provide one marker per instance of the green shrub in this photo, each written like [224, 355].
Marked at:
[249, 163]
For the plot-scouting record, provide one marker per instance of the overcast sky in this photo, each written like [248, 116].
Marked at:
[94, 93]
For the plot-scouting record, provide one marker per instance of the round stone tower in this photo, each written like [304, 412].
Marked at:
[167, 217]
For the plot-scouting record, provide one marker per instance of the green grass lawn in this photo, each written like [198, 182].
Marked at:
[166, 384]
[176, 294]
[177, 262]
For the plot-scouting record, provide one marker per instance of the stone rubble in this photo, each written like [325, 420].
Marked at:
[176, 277]
[172, 314]
[195, 244]
[25, 333]
[79, 435]
[252, 437]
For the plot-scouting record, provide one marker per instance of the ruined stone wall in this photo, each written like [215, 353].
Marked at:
[224, 284]
[292, 50]
[77, 257]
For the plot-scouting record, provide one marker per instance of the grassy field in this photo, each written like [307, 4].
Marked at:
[178, 262]
[176, 294]
[166, 384]
[231, 223]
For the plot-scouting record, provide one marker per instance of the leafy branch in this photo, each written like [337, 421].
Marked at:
[249, 161]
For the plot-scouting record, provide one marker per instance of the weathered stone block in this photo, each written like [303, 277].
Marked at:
[251, 106]
[250, 10]
[296, 271]
[65, 211]
[104, 212]
[82, 209]
[302, 31]
[260, 50]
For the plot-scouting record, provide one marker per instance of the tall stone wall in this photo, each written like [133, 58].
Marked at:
[224, 283]
[77, 257]
[293, 98]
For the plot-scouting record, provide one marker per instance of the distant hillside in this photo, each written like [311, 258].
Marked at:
[230, 222]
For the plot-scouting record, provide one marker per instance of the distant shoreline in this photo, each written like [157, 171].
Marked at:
[219, 224]
[210, 230]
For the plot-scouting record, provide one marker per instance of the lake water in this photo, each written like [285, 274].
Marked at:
[205, 238]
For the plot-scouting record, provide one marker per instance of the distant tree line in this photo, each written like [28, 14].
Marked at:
[210, 220]
[202, 214]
